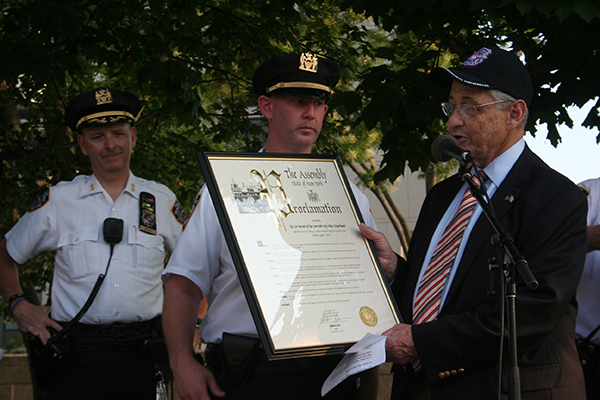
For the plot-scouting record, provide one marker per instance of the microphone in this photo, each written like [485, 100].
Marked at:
[113, 230]
[445, 148]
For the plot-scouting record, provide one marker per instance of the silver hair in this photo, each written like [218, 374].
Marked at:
[499, 95]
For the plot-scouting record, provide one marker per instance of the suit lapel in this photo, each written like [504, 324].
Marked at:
[431, 213]
[435, 212]
[504, 198]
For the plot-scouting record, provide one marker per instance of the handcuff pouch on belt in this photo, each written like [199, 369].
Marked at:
[238, 355]
[156, 347]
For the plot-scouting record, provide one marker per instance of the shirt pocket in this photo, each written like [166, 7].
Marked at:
[79, 252]
[148, 255]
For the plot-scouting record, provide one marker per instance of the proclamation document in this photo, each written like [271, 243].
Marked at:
[313, 282]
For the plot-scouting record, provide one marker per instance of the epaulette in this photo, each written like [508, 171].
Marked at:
[585, 190]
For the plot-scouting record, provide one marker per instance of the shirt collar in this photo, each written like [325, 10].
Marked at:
[501, 165]
[133, 186]
[93, 186]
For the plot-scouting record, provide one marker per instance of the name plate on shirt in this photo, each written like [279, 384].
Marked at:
[313, 283]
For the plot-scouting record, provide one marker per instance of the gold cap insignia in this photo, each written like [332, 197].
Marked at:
[103, 96]
[309, 62]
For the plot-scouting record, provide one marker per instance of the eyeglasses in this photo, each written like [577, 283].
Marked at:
[466, 110]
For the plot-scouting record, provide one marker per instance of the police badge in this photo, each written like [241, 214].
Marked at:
[147, 213]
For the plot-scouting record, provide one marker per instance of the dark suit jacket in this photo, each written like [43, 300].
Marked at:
[545, 214]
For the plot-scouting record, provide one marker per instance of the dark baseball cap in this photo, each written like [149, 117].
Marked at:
[489, 68]
[102, 106]
[302, 74]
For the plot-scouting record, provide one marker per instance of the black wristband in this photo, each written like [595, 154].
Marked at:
[13, 298]
[12, 310]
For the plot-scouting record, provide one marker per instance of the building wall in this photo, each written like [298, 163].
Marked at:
[8, 331]
[15, 381]
[408, 193]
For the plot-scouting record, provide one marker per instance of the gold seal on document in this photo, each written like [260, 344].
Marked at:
[368, 316]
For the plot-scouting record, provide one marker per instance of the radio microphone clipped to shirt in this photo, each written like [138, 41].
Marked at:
[445, 148]
[113, 230]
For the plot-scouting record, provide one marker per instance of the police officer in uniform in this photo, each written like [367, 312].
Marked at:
[293, 90]
[588, 317]
[111, 346]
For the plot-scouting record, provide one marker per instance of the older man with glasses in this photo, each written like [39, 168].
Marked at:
[454, 343]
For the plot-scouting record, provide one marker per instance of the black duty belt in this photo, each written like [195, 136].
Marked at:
[117, 337]
[307, 365]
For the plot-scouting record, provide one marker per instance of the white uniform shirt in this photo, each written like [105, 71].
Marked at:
[203, 257]
[588, 292]
[69, 218]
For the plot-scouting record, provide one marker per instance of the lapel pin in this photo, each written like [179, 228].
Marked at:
[510, 198]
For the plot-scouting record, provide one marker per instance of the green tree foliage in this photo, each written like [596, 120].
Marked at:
[555, 37]
[191, 61]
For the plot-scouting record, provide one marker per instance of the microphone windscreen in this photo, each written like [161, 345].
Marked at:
[442, 142]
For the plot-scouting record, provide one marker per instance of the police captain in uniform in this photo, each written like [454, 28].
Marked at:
[292, 94]
[109, 357]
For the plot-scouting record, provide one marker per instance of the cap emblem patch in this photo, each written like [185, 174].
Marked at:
[309, 62]
[103, 96]
[478, 57]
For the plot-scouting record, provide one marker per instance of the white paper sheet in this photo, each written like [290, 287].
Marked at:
[368, 353]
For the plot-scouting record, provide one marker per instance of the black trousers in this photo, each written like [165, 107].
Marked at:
[261, 379]
[104, 375]
[418, 389]
[288, 386]
[592, 383]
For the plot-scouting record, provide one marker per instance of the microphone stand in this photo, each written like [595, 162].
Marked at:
[514, 264]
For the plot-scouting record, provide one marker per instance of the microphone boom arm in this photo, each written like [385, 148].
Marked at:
[516, 265]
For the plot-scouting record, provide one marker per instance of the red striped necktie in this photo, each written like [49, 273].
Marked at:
[429, 293]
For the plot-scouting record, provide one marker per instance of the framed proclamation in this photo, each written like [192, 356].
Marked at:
[312, 281]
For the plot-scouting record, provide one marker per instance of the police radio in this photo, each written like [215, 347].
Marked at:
[47, 358]
[113, 230]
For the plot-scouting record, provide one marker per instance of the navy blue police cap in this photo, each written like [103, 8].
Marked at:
[102, 106]
[489, 68]
[303, 75]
